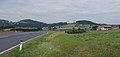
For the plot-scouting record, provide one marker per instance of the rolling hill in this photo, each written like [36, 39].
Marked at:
[30, 23]
[33, 23]
[86, 22]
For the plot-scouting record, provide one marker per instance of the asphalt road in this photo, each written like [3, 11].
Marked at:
[9, 40]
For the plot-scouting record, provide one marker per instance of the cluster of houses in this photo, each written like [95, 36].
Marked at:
[107, 27]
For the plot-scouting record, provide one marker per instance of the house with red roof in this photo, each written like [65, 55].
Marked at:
[104, 27]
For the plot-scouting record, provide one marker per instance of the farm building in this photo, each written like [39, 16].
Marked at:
[24, 29]
[104, 27]
[115, 27]
[9, 29]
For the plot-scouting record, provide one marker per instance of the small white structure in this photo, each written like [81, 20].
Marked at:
[21, 45]
[7, 29]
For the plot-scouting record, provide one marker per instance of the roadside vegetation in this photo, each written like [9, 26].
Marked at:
[75, 31]
[60, 44]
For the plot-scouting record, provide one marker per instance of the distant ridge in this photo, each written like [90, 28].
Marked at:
[33, 23]
[85, 22]
[4, 23]
[30, 23]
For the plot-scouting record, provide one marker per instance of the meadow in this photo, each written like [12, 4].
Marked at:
[60, 44]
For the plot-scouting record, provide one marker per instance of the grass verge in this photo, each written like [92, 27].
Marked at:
[59, 44]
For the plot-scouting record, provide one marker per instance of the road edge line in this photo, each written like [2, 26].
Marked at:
[19, 44]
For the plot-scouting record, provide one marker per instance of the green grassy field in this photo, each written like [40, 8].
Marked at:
[59, 44]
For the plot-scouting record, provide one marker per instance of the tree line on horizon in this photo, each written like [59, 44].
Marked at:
[32, 23]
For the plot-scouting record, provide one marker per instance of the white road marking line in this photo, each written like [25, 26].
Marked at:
[9, 49]
[19, 44]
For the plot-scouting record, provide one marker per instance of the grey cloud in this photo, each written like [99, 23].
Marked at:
[58, 10]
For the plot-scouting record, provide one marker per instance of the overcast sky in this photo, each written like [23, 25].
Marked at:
[49, 11]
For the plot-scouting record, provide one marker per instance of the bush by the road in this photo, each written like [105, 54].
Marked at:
[75, 31]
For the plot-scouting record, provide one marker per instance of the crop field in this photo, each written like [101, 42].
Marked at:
[60, 44]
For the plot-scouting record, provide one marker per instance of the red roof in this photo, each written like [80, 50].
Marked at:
[105, 26]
